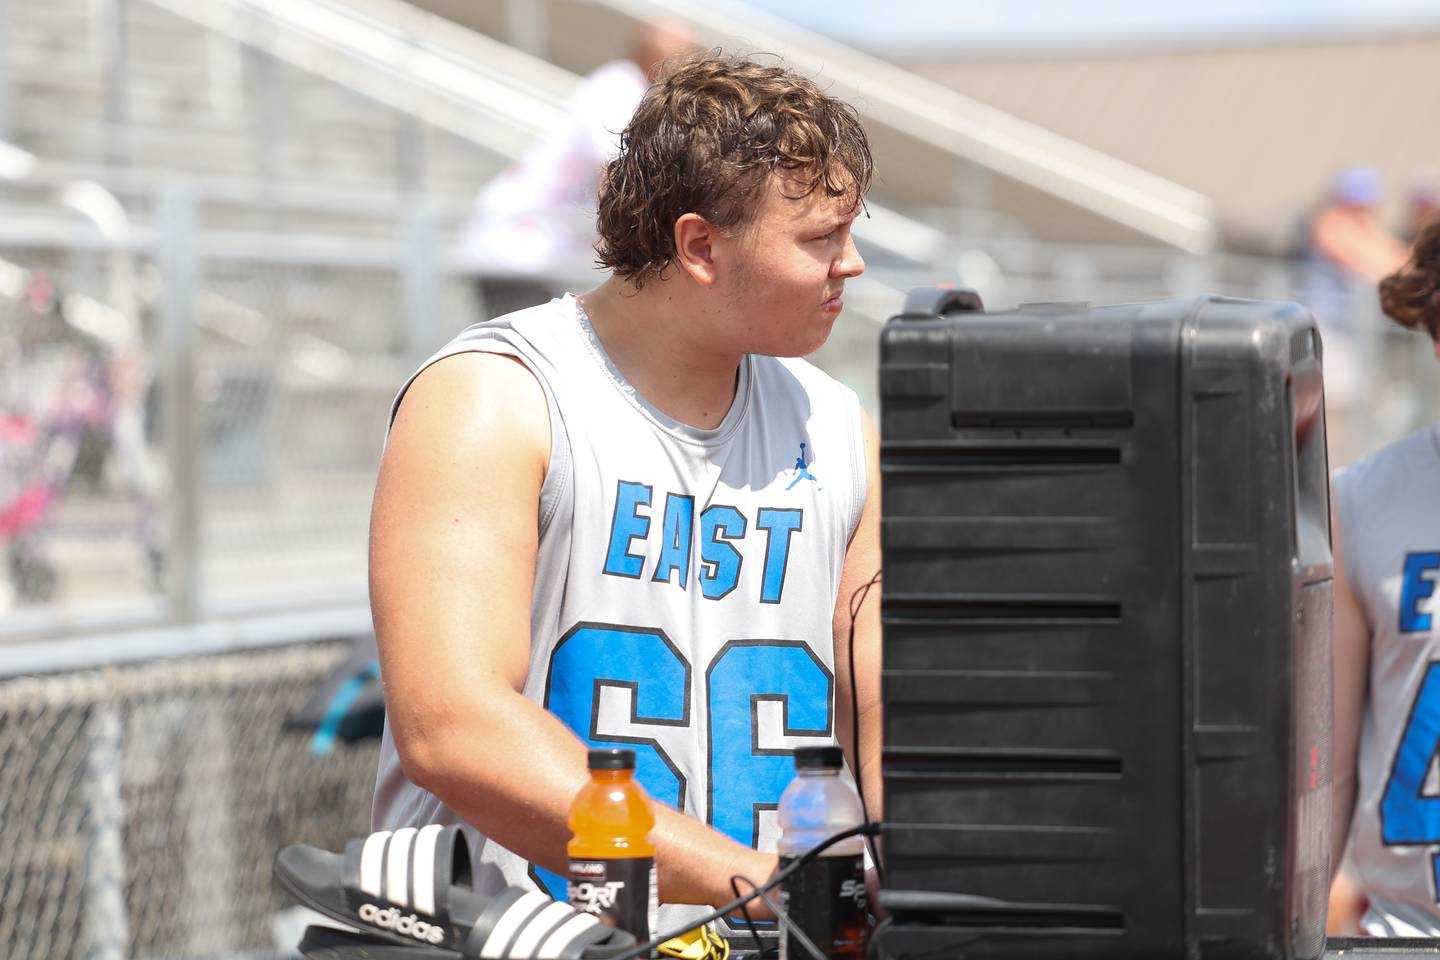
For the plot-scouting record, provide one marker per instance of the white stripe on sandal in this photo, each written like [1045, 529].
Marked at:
[565, 934]
[543, 923]
[372, 860]
[422, 882]
[397, 866]
[520, 911]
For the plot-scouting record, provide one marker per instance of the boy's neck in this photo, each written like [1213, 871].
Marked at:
[657, 337]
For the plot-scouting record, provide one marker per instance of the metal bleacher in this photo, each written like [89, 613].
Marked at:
[131, 93]
[939, 151]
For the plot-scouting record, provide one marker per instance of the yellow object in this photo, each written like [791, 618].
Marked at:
[699, 944]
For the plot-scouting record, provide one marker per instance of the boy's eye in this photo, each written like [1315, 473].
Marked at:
[826, 236]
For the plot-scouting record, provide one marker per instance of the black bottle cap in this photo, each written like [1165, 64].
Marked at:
[612, 758]
[811, 758]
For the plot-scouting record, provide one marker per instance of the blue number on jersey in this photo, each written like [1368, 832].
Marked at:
[1407, 816]
[746, 777]
[593, 656]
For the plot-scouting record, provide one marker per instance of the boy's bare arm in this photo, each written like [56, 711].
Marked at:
[1351, 670]
[862, 566]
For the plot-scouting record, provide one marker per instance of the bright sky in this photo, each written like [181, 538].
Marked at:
[961, 24]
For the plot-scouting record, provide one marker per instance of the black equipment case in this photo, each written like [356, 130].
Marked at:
[1107, 604]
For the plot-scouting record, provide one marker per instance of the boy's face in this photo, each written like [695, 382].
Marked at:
[788, 269]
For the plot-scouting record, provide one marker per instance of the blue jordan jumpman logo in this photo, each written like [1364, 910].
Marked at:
[802, 472]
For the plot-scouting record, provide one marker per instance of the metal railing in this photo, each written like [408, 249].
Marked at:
[430, 75]
[946, 120]
[268, 362]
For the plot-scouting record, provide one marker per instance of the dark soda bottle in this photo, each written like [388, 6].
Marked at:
[826, 898]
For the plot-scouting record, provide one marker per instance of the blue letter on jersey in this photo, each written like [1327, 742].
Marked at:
[625, 526]
[746, 777]
[718, 525]
[778, 525]
[1415, 587]
[675, 538]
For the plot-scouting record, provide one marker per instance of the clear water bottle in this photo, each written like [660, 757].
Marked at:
[826, 898]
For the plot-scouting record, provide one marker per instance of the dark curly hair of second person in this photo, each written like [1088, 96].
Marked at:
[704, 139]
[1411, 295]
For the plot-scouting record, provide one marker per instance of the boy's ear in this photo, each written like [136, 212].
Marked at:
[695, 248]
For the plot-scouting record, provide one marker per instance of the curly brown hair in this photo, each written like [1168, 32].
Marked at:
[1411, 295]
[705, 139]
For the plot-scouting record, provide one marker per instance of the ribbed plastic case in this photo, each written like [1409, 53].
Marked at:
[1107, 688]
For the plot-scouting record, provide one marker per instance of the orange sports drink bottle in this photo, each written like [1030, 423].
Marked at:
[612, 861]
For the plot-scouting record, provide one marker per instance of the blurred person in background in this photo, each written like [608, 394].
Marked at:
[1424, 203]
[1347, 250]
[1387, 651]
[534, 224]
[1347, 233]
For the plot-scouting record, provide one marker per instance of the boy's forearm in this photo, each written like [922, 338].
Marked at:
[695, 863]
[517, 788]
[871, 783]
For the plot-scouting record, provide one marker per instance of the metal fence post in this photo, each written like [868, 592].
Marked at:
[205, 804]
[224, 74]
[409, 153]
[525, 22]
[116, 57]
[177, 239]
[107, 925]
[974, 198]
[7, 99]
[1188, 275]
[1369, 325]
[269, 117]
[1075, 276]
[422, 279]
[1275, 282]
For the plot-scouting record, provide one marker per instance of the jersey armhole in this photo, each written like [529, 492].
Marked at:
[859, 482]
[557, 471]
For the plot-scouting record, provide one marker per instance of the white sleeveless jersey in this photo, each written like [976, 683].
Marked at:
[1389, 517]
[685, 584]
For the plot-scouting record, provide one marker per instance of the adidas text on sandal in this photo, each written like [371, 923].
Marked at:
[408, 925]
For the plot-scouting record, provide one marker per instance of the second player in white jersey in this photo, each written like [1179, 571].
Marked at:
[1387, 647]
[1390, 529]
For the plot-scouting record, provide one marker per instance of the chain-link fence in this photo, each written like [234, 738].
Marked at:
[142, 805]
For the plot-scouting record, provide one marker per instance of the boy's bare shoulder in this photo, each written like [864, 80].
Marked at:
[479, 401]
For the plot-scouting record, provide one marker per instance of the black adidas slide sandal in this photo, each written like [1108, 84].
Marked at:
[413, 888]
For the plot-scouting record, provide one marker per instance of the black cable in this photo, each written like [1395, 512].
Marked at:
[777, 878]
[857, 600]
[745, 912]
[801, 937]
